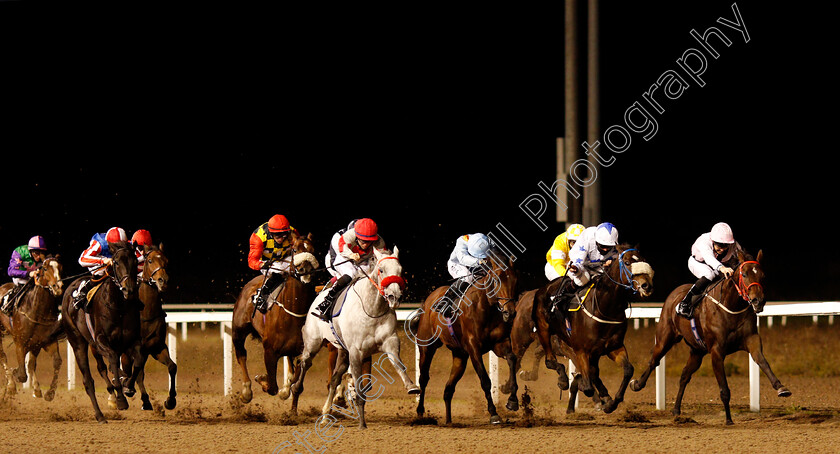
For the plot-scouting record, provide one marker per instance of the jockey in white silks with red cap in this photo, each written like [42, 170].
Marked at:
[350, 250]
[710, 254]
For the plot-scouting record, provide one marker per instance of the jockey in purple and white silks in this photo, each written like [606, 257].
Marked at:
[25, 260]
[710, 254]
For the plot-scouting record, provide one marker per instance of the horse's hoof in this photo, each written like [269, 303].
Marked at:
[169, 403]
[512, 405]
[112, 404]
[102, 421]
[284, 394]
[146, 406]
[610, 407]
[129, 392]
[495, 419]
[505, 389]
[36, 393]
[414, 390]
[634, 385]
[551, 364]
[784, 392]
[362, 426]
[49, 395]
[729, 422]
[563, 382]
[122, 403]
[676, 412]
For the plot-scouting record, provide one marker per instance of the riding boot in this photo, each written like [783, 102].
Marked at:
[80, 294]
[686, 307]
[447, 304]
[561, 297]
[8, 307]
[270, 284]
[325, 307]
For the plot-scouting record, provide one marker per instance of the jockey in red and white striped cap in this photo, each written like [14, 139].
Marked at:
[97, 257]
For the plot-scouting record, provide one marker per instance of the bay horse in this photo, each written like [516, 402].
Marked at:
[153, 327]
[110, 327]
[596, 328]
[367, 324]
[35, 325]
[726, 321]
[522, 335]
[280, 328]
[479, 326]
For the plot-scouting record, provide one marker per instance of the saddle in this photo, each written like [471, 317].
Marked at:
[272, 297]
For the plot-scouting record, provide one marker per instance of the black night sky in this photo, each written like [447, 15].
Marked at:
[433, 123]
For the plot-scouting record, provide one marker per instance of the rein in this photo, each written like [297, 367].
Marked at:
[740, 286]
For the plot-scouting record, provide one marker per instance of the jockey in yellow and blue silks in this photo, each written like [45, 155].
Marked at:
[557, 257]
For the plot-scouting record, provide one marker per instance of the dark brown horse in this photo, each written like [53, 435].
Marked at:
[153, 327]
[35, 324]
[726, 322]
[110, 327]
[477, 328]
[522, 334]
[280, 328]
[596, 328]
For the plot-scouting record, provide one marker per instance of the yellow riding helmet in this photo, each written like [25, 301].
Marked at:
[574, 231]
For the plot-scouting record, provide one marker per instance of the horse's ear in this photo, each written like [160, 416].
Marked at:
[740, 255]
[57, 257]
[759, 256]
[160, 246]
[309, 237]
[396, 252]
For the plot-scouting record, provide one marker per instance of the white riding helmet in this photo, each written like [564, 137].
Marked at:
[606, 234]
[478, 245]
[722, 233]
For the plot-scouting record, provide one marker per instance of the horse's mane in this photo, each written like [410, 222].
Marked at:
[118, 246]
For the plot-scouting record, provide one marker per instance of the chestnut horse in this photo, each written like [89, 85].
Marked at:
[596, 328]
[280, 328]
[726, 321]
[153, 327]
[110, 327]
[478, 328]
[35, 325]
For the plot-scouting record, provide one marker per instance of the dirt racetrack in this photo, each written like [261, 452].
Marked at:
[804, 357]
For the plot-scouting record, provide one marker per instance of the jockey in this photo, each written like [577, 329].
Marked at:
[25, 260]
[96, 258]
[350, 250]
[464, 265]
[710, 255]
[558, 256]
[270, 244]
[593, 250]
[140, 239]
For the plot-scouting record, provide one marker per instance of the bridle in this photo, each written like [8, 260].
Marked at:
[624, 273]
[387, 280]
[741, 286]
[151, 279]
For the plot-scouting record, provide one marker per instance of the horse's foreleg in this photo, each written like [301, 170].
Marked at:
[427, 353]
[459, 365]
[753, 345]
[544, 336]
[338, 369]
[534, 373]
[114, 368]
[81, 353]
[56, 355]
[573, 391]
[238, 336]
[102, 368]
[33, 378]
[356, 365]
[620, 357]
[269, 380]
[666, 337]
[312, 343]
[391, 347]
[284, 392]
[504, 350]
[138, 365]
[10, 388]
[720, 374]
[164, 358]
[20, 370]
[484, 377]
[695, 359]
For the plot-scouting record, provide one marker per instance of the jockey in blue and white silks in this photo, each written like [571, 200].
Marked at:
[592, 251]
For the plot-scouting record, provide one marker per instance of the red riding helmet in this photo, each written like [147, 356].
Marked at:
[278, 224]
[142, 238]
[366, 230]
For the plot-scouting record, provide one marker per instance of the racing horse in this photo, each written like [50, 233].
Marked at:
[153, 328]
[479, 326]
[367, 323]
[35, 325]
[280, 328]
[725, 322]
[595, 328]
[110, 326]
